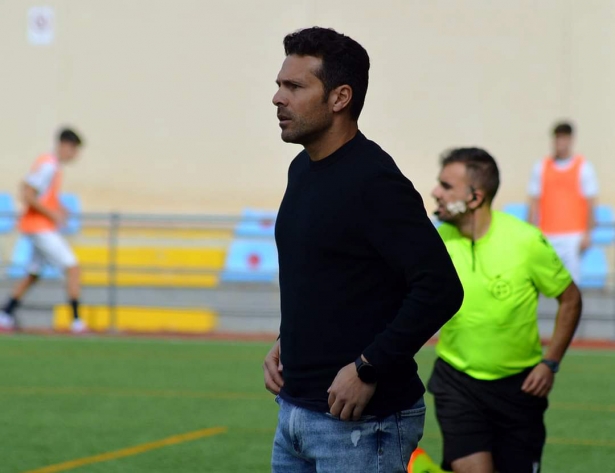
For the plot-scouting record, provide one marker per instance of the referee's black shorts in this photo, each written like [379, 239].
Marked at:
[488, 416]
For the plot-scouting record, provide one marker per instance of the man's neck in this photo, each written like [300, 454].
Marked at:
[563, 157]
[476, 225]
[332, 140]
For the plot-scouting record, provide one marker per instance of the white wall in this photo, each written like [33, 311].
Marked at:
[174, 97]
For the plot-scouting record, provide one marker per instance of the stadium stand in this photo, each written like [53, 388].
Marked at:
[594, 269]
[7, 213]
[151, 266]
[604, 233]
[73, 205]
[518, 209]
[139, 319]
[256, 223]
[251, 260]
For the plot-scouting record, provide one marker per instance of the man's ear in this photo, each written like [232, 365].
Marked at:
[477, 199]
[341, 97]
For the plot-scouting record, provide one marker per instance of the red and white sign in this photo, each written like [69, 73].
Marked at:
[41, 25]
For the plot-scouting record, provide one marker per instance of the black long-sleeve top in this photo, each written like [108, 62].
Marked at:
[362, 271]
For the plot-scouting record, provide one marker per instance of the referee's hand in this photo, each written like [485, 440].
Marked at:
[539, 382]
[273, 370]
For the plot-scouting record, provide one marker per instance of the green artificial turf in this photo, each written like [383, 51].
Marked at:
[66, 398]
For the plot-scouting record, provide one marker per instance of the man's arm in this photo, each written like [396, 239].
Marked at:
[540, 380]
[398, 228]
[566, 322]
[533, 211]
[591, 223]
[590, 188]
[29, 196]
[534, 190]
[272, 368]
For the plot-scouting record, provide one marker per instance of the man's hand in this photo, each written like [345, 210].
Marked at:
[586, 242]
[539, 382]
[348, 395]
[273, 370]
[60, 217]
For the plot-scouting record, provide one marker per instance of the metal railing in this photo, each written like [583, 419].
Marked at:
[257, 301]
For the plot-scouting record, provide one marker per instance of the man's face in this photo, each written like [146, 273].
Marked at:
[563, 145]
[453, 186]
[303, 110]
[67, 151]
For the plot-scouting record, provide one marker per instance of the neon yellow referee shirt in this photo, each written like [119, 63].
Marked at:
[495, 333]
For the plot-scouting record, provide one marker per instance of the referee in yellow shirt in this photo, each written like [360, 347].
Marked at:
[491, 379]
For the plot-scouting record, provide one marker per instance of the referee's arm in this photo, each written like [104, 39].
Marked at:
[540, 381]
[566, 322]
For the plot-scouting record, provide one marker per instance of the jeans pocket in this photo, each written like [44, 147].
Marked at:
[278, 400]
[410, 425]
[417, 410]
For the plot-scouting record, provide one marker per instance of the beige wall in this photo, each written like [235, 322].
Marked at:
[173, 96]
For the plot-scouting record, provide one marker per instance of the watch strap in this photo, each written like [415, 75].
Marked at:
[552, 364]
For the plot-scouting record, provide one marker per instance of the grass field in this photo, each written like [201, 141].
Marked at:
[65, 399]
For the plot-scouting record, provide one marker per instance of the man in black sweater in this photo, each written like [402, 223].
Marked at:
[365, 280]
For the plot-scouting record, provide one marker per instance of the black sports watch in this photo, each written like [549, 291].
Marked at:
[366, 372]
[552, 364]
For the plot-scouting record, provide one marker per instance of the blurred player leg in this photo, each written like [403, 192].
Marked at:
[7, 316]
[57, 252]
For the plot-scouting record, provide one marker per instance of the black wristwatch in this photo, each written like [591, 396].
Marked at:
[552, 364]
[366, 372]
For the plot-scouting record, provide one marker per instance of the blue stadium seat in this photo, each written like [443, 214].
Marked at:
[73, 205]
[22, 252]
[7, 213]
[594, 269]
[604, 233]
[518, 209]
[256, 223]
[250, 260]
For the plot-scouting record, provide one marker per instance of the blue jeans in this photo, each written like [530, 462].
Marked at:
[315, 442]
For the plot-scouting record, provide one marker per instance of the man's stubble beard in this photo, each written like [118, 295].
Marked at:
[307, 132]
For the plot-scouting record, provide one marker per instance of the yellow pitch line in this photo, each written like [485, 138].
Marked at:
[77, 391]
[130, 451]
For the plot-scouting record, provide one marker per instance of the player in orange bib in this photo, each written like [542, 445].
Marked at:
[563, 191]
[41, 222]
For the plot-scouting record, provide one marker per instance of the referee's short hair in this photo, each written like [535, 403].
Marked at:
[482, 168]
[66, 135]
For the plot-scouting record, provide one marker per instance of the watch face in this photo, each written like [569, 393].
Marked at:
[367, 373]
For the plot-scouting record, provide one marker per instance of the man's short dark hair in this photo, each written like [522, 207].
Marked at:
[563, 128]
[67, 135]
[344, 61]
[482, 168]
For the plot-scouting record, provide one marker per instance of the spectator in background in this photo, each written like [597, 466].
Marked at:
[41, 222]
[563, 190]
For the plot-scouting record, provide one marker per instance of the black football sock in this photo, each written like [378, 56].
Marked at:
[74, 303]
[10, 306]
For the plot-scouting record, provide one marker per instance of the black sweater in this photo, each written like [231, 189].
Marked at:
[362, 271]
